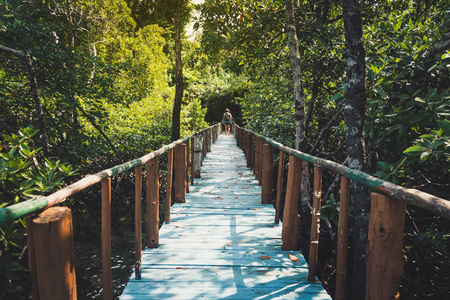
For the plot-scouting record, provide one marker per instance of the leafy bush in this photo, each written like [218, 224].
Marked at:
[22, 177]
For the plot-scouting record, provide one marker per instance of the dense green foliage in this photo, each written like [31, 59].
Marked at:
[104, 95]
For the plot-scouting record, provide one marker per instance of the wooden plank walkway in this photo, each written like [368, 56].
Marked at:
[218, 243]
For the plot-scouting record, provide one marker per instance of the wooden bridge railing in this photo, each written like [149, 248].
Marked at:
[50, 241]
[384, 259]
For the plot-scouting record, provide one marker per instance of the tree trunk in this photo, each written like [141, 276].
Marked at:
[299, 94]
[299, 103]
[179, 72]
[355, 113]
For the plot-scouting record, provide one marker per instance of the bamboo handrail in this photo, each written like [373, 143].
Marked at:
[22, 209]
[414, 197]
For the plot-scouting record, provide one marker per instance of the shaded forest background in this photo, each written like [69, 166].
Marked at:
[86, 85]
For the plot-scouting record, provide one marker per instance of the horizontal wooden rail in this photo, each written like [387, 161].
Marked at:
[16, 211]
[414, 197]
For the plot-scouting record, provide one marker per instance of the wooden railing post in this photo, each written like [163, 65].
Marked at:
[187, 163]
[257, 158]
[341, 264]
[208, 140]
[198, 143]
[51, 254]
[267, 174]
[291, 221]
[279, 187]
[253, 153]
[169, 184]
[384, 257]
[260, 146]
[205, 144]
[152, 203]
[192, 159]
[315, 224]
[137, 221]
[106, 239]
[241, 138]
[179, 184]
[249, 149]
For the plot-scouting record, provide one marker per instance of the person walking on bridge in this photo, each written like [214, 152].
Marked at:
[226, 120]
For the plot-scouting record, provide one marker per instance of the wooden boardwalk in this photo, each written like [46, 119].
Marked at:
[222, 243]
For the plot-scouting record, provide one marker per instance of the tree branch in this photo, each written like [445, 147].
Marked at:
[34, 91]
[325, 129]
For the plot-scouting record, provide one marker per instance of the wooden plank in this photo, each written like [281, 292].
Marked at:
[229, 292]
[106, 239]
[384, 257]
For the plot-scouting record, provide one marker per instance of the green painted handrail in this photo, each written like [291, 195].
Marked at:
[414, 197]
[16, 211]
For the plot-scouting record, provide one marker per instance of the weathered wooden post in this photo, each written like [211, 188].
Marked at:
[198, 143]
[384, 258]
[241, 140]
[205, 144]
[315, 224]
[279, 187]
[267, 174]
[192, 159]
[291, 219]
[169, 184]
[152, 203]
[137, 221]
[249, 149]
[253, 153]
[260, 146]
[187, 166]
[106, 239]
[257, 158]
[208, 139]
[51, 254]
[244, 141]
[341, 264]
[179, 184]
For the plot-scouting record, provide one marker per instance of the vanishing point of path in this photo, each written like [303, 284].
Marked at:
[222, 243]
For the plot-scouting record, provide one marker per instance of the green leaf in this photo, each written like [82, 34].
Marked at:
[335, 97]
[384, 166]
[414, 150]
[445, 126]
[427, 136]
